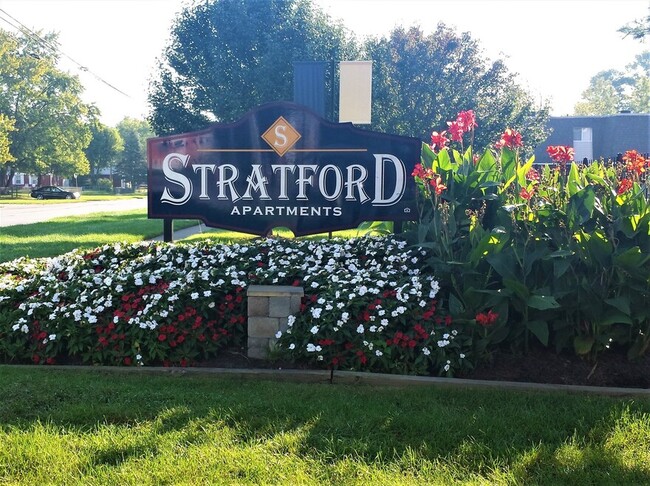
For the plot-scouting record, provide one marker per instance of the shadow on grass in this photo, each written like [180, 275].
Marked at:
[528, 437]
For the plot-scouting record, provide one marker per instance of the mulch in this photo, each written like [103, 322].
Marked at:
[610, 369]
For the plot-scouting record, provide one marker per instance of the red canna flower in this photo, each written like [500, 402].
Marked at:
[467, 120]
[456, 130]
[510, 138]
[560, 153]
[634, 162]
[487, 318]
[533, 175]
[437, 185]
[439, 140]
[526, 194]
[624, 186]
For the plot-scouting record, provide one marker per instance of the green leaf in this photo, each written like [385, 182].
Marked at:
[580, 207]
[427, 155]
[573, 185]
[613, 317]
[542, 302]
[456, 307]
[621, 303]
[583, 344]
[523, 171]
[539, 329]
[443, 162]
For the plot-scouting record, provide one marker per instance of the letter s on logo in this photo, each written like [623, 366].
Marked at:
[280, 136]
[176, 178]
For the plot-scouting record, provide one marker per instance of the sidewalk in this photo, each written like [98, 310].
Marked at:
[181, 234]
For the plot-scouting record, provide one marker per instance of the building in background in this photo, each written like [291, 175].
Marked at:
[598, 137]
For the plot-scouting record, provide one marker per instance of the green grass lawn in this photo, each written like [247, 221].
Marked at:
[61, 235]
[117, 427]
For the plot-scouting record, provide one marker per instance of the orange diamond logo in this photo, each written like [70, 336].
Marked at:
[281, 136]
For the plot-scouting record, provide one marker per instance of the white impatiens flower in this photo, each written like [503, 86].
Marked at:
[278, 334]
[292, 346]
[194, 295]
[316, 312]
[462, 355]
[442, 343]
[314, 330]
[378, 353]
[52, 337]
[291, 320]
[426, 351]
[447, 366]
[360, 329]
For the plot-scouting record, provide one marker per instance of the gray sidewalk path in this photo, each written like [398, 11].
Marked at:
[181, 234]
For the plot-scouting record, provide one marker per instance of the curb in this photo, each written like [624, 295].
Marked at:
[358, 378]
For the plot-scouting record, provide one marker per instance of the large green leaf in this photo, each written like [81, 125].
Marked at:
[622, 303]
[540, 329]
[427, 155]
[580, 207]
[583, 344]
[542, 302]
[523, 171]
[632, 259]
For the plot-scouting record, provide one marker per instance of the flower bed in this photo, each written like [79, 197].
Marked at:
[367, 305]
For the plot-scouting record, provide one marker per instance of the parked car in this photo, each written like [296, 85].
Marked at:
[53, 192]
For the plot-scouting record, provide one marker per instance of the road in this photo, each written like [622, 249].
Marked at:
[13, 214]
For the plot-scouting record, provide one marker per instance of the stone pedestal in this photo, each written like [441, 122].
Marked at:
[269, 306]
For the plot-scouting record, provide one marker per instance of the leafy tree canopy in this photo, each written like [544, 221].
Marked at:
[132, 162]
[6, 127]
[638, 28]
[227, 56]
[613, 91]
[105, 147]
[50, 121]
[421, 81]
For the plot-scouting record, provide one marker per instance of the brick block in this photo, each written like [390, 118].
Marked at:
[263, 326]
[258, 306]
[279, 306]
[258, 348]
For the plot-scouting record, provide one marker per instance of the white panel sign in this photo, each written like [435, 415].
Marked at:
[355, 92]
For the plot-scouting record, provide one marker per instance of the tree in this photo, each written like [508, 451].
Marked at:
[104, 148]
[421, 81]
[49, 117]
[638, 28]
[132, 163]
[227, 56]
[6, 127]
[613, 91]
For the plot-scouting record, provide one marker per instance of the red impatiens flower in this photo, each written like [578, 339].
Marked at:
[560, 153]
[510, 138]
[439, 140]
[634, 162]
[487, 318]
[624, 186]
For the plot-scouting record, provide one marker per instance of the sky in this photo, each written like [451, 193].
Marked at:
[554, 46]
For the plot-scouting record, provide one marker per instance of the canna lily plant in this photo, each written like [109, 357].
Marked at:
[559, 252]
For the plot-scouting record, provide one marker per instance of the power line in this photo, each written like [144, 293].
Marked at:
[54, 48]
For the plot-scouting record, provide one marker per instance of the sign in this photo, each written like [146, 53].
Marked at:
[282, 165]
